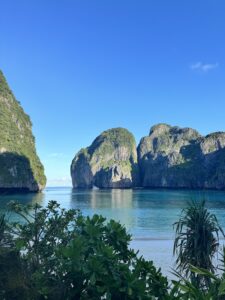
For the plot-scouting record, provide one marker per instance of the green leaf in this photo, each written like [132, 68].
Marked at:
[221, 288]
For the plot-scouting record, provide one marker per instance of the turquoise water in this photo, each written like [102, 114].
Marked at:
[147, 214]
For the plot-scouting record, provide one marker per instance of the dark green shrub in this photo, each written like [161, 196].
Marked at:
[64, 255]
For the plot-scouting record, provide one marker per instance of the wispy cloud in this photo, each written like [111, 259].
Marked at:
[61, 181]
[203, 67]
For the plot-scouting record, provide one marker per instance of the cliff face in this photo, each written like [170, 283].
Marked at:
[170, 157]
[20, 167]
[110, 162]
[176, 157]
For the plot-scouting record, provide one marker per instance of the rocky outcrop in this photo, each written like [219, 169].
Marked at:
[176, 157]
[110, 162]
[170, 157]
[20, 167]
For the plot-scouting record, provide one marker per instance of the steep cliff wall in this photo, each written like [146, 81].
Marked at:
[20, 167]
[110, 162]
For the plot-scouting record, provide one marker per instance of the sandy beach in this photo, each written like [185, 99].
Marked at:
[159, 251]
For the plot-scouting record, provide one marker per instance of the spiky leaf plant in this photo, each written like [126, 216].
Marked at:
[196, 241]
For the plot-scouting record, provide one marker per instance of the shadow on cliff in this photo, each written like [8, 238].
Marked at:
[135, 173]
[197, 172]
[16, 175]
[102, 179]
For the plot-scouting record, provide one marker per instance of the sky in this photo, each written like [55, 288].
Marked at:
[79, 67]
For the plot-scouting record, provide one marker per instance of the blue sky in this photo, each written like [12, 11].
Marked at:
[79, 67]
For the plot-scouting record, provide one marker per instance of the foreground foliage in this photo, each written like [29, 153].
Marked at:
[60, 254]
[197, 241]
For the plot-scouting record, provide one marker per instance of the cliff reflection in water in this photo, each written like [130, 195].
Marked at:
[147, 214]
[27, 198]
[115, 198]
[24, 199]
[113, 204]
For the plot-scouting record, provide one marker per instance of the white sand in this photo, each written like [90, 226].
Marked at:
[159, 251]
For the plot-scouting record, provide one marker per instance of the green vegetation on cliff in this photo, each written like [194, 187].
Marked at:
[111, 138]
[106, 143]
[174, 157]
[20, 165]
[110, 161]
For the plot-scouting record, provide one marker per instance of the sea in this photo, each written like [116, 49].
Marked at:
[147, 214]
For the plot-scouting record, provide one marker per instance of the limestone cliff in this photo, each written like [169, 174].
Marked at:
[176, 157]
[110, 162]
[20, 167]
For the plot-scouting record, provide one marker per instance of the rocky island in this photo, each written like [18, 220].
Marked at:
[169, 157]
[20, 167]
[110, 162]
[175, 157]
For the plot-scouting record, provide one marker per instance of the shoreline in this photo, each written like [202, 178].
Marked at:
[158, 251]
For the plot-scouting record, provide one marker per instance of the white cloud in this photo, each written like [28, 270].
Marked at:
[203, 67]
[61, 181]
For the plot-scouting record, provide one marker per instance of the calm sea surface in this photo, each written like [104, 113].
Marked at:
[147, 214]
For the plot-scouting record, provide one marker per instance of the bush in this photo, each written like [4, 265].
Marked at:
[64, 255]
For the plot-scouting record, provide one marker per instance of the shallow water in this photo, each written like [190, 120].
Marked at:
[147, 214]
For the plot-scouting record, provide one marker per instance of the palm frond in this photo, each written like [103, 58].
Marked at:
[196, 239]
